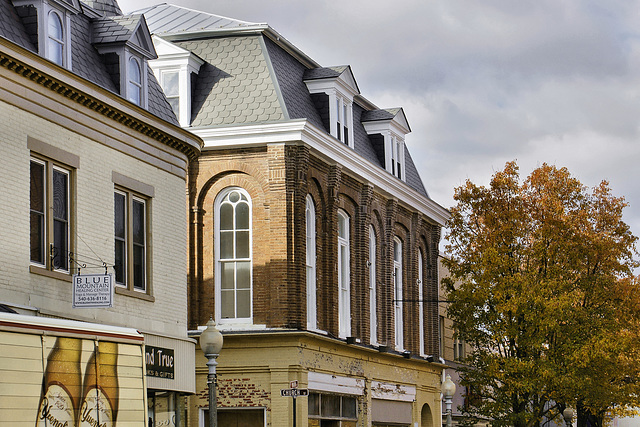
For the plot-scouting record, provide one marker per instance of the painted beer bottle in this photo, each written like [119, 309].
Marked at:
[61, 385]
[100, 392]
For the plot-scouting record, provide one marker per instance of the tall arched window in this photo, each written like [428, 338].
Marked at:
[421, 302]
[373, 305]
[55, 42]
[344, 282]
[397, 291]
[310, 217]
[233, 256]
[134, 89]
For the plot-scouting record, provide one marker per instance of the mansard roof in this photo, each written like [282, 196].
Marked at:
[86, 61]
[253, 75]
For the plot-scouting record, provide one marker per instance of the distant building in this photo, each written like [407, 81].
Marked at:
[312, 240]
[94, 172]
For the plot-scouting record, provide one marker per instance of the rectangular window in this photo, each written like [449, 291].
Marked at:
[171, 88]
[332, 409]
[339, 118]
[50, 216]
[130, 234]
[458, 348]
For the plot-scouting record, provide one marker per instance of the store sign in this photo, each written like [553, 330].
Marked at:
[92, 290]
[160, 362]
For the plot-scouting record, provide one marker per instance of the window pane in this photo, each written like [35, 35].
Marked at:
[344, 263]
[37, 212]
[227, 275]
[244, 303]
[138, 267]
[342, 232]
[349, 407]
[330, 406]
[60, 245]
[242, 242]
[60, 189]
[55, 42]
[243, 271]
[171, 84]
[119, 215]
[314, 404]
[175, 105]
[120, 266]
[242, 216]
[227, 304]
[37, 237]
[137, 217]
[226, 244]
[226, 217]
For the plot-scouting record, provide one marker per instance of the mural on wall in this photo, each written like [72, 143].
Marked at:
[70, 400]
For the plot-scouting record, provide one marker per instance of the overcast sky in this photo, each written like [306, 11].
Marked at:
[483, 82]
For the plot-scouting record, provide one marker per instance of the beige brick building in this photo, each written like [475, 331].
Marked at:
[95, 168]
[312, 240]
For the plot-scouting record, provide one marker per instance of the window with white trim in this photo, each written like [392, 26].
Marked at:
[170, 82]
[130, 235]
[458, 348]
[344, 280]
[50, 214]
[397, 292]
[373, 305]
[343, 116]
[234, 293]
[310, 217]
[421, 303]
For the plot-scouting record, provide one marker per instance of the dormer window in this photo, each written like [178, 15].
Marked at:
[332, 90]
[56, 43]
[134, 88]
[387, 129]
[397, 157]
[175, 69]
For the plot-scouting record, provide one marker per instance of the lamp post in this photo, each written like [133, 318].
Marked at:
[567, 414]
[448, 390]
[211, 344]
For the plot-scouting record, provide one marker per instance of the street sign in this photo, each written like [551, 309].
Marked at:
[294, 392]
[293, 384]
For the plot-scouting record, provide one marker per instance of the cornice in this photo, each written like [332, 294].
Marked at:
[31, 66]
[325, 146]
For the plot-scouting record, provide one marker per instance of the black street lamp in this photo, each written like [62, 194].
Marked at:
[211, 344]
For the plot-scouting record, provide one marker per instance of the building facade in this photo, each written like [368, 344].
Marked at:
[312, 240]
[95, 166]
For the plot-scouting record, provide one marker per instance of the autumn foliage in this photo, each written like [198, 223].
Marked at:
[542, 287]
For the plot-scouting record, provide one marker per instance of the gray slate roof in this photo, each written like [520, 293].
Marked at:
[107, 7]
[115, 29]
[86, 62]
[251, 79]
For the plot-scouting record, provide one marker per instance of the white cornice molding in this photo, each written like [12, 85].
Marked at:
[325, 146]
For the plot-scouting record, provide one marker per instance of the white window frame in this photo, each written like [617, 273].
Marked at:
[373, 302]
[61, 42]
[344, 277]
[421, 301]
[397, 293]
[310, 219]
[178, 96]
[218, 261]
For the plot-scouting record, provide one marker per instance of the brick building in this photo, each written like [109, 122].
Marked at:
[94, 169]
[312, 240]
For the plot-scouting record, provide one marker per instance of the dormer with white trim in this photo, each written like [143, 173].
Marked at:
[332, 90]
[126, 45]
[175, 69]
[387, 130]
[48, 23]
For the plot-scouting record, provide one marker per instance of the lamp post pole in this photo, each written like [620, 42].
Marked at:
[211, 344]
[448, 390]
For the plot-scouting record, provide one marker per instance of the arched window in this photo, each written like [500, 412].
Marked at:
[397, 291]
[134, 89]
[421, 302]
[344, 281]
[310, 217]
[55, 42]
[373, 305]
[233, 256]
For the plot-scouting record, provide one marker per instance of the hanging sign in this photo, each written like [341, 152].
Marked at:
[92, 290]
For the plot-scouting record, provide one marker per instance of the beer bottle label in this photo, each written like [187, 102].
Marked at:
[56, 408]
[96, 410]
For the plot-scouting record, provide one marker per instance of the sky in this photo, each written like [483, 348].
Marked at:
[483, 82]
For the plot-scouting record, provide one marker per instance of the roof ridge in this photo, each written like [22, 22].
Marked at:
[200, 12]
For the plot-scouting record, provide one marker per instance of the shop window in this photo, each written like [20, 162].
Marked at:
[332, 410]
[50, 214]
[233, 256]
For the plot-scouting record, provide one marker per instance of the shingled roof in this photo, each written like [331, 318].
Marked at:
[251, 77]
